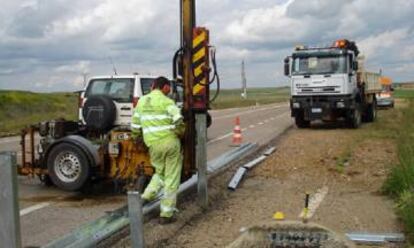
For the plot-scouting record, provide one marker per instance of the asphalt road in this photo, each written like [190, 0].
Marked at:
[48, 213]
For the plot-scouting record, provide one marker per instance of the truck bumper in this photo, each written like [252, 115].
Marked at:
[325, 108]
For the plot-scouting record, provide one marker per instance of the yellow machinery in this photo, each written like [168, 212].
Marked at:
[73, 155]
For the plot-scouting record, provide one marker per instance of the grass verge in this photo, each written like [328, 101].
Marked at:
[255, 96]
[400, 182]
[19, 109]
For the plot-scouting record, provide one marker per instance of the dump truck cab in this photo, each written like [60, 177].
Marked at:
[323, 71]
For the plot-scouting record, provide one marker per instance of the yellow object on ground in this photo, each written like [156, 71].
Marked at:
[279, 216]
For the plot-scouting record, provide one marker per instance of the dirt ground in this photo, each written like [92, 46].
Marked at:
[350, 166]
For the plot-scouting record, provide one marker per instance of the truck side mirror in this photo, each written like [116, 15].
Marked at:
[355, 65]
[286, 62]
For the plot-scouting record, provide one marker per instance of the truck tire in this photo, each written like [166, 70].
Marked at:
[301, 122]
[355, 118]
[68, 167]
[371, 113]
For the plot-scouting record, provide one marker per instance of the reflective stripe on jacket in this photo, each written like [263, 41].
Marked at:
[156, 115]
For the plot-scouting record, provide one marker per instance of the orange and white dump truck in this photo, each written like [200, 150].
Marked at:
[331, 83]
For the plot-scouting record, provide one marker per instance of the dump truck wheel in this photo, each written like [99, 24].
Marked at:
[355, 118]
[301, 122]
[371, 114]
[68, 167]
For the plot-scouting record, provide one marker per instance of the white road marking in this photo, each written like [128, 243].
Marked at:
[9, 140]
[315, 201]
[34, 208]
[224, 136]
[220, 138]
[266, 121]
[231, 133]
[247, 112]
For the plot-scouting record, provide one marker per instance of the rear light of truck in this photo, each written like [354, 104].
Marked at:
[135, 101]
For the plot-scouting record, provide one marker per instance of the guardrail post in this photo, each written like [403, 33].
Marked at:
[201, 159]
[9, 204]
[136, 219]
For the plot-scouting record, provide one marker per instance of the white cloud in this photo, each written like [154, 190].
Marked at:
[66, 38]
[376, 44]
[80, 67]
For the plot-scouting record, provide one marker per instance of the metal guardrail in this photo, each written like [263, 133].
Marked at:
[375, 238]
[90, 234]
[9, 204]
[238, 176]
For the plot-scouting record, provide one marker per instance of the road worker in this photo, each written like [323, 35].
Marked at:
[159, 121]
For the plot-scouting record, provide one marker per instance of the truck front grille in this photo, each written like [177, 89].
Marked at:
[326, 89]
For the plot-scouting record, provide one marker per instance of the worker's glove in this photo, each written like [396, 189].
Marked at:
[179, 128]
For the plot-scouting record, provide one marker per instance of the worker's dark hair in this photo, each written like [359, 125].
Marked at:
[160, 82]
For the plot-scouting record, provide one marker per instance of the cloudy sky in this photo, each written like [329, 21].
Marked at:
[46, 45]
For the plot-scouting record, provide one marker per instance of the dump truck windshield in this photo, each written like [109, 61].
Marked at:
[319, 65]
[119, 89]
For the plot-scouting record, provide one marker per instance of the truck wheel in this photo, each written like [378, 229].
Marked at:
[371, 114]
[68, 167]
[355, 118]
[301, 122]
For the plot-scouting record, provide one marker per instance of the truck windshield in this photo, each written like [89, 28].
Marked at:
[319, 65]
[119, 89]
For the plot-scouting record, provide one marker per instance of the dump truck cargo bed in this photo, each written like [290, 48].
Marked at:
[370, 80]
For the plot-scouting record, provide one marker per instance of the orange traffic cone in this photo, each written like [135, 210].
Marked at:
[237, 135]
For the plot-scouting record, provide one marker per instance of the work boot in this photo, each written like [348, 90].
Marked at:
[166, 220]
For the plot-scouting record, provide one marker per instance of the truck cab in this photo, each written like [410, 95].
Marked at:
[323, 71]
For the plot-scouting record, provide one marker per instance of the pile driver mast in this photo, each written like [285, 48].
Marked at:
[191, 69]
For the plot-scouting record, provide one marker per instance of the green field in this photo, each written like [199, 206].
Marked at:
[231, 98]
[19, 109]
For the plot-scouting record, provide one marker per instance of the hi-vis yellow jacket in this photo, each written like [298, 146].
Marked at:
[157, 117]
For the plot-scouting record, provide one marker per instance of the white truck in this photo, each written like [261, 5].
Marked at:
[330, 83]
